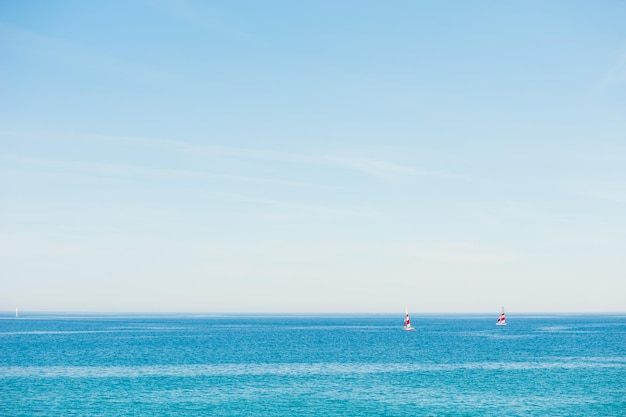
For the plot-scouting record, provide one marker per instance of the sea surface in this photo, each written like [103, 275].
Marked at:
[302, 365]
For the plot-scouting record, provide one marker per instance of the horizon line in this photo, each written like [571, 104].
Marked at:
[292, 313]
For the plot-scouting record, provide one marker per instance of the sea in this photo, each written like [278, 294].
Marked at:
[312, 365]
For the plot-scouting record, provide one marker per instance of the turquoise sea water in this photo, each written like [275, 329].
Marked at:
[71, 365]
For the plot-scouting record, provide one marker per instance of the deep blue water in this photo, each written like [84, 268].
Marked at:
[562, 365]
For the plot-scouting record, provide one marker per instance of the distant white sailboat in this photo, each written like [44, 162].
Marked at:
[16, 313]
[407, 322]
[501, 320]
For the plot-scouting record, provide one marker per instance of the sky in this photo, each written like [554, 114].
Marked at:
[311, 157]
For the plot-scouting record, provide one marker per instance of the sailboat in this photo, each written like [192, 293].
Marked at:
[16, 313]
[501, 320]
[407, 321]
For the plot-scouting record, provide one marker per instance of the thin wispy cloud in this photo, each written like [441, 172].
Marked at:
[16, 165]
[72, 55]
[308, 207]
[142, 172]
[199, 15]
[380, 168]
[369, 166]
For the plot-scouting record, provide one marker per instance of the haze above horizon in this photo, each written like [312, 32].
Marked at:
[345, 156]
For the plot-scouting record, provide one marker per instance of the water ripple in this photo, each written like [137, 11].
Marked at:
[290, 369]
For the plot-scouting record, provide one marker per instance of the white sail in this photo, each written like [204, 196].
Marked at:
[502, 319]
[407, 321]
[16, 313]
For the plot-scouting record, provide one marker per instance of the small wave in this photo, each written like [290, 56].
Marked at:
[288, 369]
[554, 328]
[62, 332]
[497, 335]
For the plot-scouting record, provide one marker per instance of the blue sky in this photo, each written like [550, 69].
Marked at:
[312, 157]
